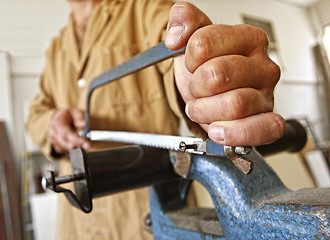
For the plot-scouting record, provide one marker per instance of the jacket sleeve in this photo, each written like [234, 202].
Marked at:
[42, 110]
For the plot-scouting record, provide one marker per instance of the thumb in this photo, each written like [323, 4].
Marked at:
[77, 118]
[184, 20]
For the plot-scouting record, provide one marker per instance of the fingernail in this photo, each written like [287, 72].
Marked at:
[217, 134]
[173, 35]
[81, 123]
[85, 146]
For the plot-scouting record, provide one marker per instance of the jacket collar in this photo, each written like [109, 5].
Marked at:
[97, 22]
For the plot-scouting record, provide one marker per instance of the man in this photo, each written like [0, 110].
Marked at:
[223, 88]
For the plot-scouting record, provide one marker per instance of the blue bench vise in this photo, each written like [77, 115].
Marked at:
[254, 206]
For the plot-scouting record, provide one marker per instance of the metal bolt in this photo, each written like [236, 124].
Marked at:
[183, 146]
[48, 182]
[243, 150]
[147, 222]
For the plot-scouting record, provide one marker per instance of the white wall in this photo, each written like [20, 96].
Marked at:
[26, 28]
[319, 14]
[6, 93]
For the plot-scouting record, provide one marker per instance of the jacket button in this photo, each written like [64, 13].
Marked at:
[81, 82]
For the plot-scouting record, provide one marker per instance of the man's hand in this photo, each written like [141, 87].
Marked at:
[225, 78]
[62, 132]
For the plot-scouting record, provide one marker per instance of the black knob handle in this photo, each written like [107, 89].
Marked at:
[293, 140]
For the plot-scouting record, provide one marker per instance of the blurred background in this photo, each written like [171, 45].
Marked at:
[299, 34]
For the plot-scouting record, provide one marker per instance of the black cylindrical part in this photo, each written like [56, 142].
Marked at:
[293, 140]
[127, 168]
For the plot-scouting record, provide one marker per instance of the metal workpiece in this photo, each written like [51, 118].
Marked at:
[242, 163]
[254, 206]
[181, 162]
[235, 154]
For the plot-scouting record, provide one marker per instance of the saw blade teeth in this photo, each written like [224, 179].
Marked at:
[146, 139]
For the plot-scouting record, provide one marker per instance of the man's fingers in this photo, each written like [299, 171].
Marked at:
[222, 74]
[184, 19]
[229, 90]
[74, 139]
[218, 40]
[58, 149]
[62, 131]
[59, 142]
[77, 118]
[254, 130]
[78, 123]
[232, 105]
[66, 139]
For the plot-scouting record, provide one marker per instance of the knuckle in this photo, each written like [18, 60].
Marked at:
[217, 78]
[235, 105]
[211, 84]
[265, 98]
[196, 112]
[274, 72]
[181, 7]
[53, 135]
[261, 37]
[269, 104]
[76, 113]
[184, 12]
[278, 126]
[191, 110]
[199, 47]
[211, 79]
[66, 137]
[245, 133]
[57, 148]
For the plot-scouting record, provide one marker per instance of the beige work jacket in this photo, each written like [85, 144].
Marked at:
[144, 102]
